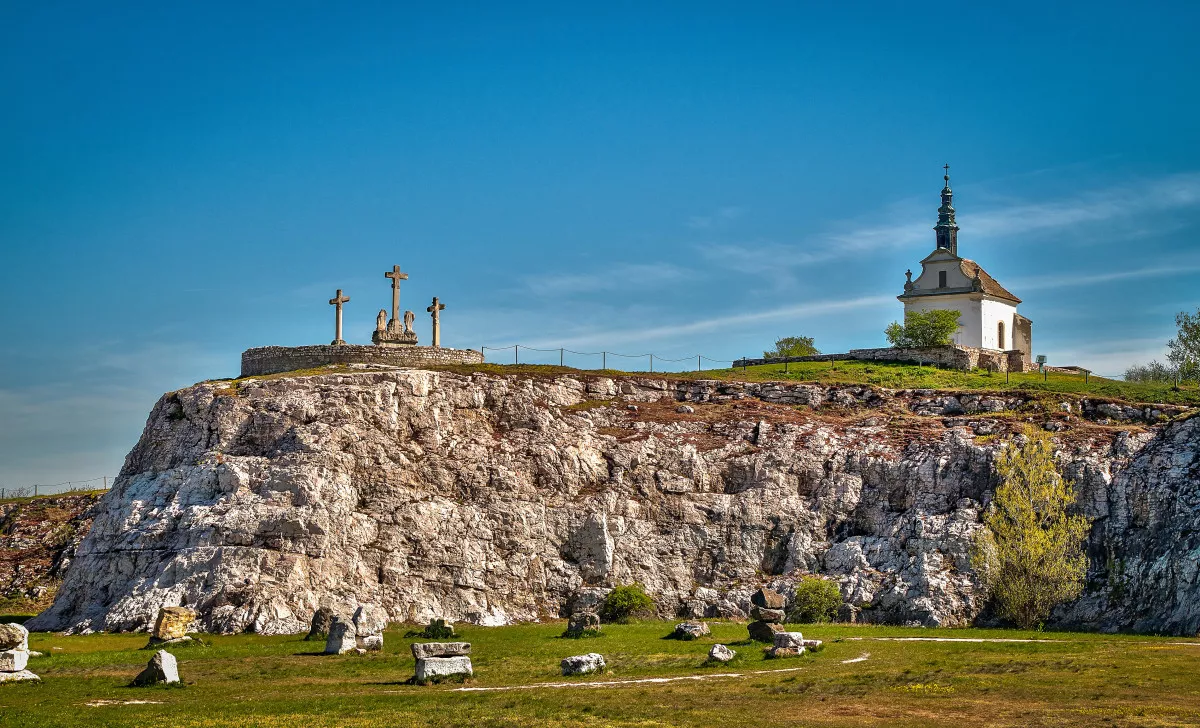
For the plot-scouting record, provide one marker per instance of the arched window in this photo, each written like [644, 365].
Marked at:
[1000, 336]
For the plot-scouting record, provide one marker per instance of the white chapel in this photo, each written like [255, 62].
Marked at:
[989, 318]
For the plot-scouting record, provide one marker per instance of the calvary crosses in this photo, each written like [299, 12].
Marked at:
[396, 277]
[338, 300]
[435, 310]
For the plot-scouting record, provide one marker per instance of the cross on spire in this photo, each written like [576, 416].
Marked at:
[435, 310]
[337, 301]
[396, 277]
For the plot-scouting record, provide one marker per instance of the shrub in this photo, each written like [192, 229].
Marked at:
[928, 328]
[438, 630]
[817, 600]
[1029, 554]
[625, 603]
[792, 346]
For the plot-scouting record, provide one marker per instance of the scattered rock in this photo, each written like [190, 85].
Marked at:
[162, 669]
[775, 653]
[13, 660]
[20, 676]
[341, 637]
[690, 630]
[432, 669]
[774, 616]
[684, 409]
[721, 653]
[631, 407]
[789, 640]
[583, 664]
[370, 643]
[425, 650]
[369, 623]
[768, 599]
[13, 637]
[319, 627]
[582, 624]
[172, 623]
[763, 631]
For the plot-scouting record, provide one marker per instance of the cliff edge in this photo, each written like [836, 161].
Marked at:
[498, 498]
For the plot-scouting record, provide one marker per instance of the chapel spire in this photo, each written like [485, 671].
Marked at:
[946, 229]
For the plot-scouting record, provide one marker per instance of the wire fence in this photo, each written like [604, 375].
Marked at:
[548, 356]
[103, 482]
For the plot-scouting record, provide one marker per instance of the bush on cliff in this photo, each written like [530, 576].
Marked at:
[816, 600]
[625, 603]
[1029, 554]
[928, 328]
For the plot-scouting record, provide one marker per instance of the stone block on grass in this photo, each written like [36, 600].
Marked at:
[432, 669]
[161, 670]
[583, 664]
[425, 650]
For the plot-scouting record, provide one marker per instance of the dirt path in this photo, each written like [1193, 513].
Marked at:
[618, 683]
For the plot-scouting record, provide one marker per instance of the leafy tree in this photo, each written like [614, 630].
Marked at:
[792, 346]
[1155, 371]
[1029, 554]
[927, 328]
[1184, 349]
[817, 600]
[625, 603]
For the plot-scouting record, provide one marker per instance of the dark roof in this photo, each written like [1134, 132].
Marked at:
[990, 285]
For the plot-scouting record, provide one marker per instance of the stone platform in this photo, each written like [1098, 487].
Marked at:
[276, 359]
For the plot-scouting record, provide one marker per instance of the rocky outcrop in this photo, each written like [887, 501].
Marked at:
[492, 499]
[38, 539]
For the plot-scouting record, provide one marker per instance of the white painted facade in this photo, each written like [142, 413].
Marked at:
[980, 320]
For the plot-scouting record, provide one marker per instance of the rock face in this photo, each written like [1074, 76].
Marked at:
[492, 499]
[38, 539]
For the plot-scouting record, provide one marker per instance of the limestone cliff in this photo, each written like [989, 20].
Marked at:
[494, 498]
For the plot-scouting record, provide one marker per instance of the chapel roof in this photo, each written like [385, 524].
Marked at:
[990, 285]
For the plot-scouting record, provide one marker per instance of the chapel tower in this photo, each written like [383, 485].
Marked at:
[988, 317]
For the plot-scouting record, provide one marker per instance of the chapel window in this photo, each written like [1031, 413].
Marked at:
[1000, 336]
[941, 279]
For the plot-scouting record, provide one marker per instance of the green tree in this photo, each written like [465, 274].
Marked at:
[1184, 349]
[816, 600]
[625, 603]
[792, 346]
[1155, 371]
[1029, 554]
[928, 328]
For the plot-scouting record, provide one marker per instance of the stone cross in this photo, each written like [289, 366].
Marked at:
[338, 300]
[435, 309]
[396, 277]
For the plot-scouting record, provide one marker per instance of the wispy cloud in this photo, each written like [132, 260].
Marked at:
[674, 331]
[720, 218]
[906, 225]
[1086, 279]
[607, 278]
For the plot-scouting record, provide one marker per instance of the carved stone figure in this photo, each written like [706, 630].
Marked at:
[381, 320]
[408, 322]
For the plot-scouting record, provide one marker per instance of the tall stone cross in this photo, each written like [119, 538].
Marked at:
[435, 310]
[338, 300]
[396, 277]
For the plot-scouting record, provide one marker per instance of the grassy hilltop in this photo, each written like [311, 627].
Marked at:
[250, 680]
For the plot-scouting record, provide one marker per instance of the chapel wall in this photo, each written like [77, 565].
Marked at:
[278, 359]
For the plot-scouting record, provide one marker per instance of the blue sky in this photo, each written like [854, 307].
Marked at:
[181, 181]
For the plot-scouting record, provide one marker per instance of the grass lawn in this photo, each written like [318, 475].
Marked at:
[250, 680]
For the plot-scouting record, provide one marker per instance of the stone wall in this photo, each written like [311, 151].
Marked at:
[954, 356]
[276, 359]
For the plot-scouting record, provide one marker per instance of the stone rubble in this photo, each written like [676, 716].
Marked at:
[437, 660]
[14, 654]
[690, 630]
[494, 499]
[583, 664]
[767, 608]
[721, 653]
[162, 669]
[582, 623]
[171, 626]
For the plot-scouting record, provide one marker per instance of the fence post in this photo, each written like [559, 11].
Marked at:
[560, 357]
[785, 365]
[604, 360]
[105, 482]
[697, 362]
[516, 359]
[1045, 375]
[35, 490]
[651, 363]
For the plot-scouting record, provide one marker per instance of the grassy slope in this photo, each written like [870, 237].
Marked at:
[889, 375]
[276, 681]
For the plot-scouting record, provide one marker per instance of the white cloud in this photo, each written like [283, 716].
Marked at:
[607, 278]
[720, 218]
[1086, 279]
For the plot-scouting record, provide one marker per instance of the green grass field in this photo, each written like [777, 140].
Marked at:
[250, 680]
[899, 376]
